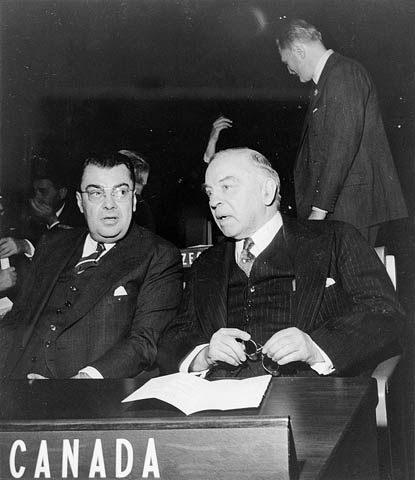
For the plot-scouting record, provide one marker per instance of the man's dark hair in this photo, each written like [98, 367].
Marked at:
[109, 160]
[297, 30]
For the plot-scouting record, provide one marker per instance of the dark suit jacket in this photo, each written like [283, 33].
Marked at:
[352, 320]
[117, 335]
[344, 164]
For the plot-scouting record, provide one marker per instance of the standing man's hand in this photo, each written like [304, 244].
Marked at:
[317, 214]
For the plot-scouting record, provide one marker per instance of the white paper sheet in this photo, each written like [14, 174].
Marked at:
[190, 393]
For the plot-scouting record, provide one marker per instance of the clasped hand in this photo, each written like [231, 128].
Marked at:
[286, 346]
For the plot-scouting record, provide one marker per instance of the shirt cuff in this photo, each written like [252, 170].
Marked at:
[92, 372]
[49, 227]
[31, 249]
[326, 366]
[185, 365]
[316, 209]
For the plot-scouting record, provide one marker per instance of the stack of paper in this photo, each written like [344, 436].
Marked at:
[190, 393]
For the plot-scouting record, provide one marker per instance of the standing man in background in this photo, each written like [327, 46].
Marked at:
[344, 168]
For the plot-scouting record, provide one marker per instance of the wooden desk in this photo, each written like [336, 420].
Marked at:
[333, 419]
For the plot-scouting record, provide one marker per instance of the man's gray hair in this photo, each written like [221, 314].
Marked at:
[297, 30]
[259, 161]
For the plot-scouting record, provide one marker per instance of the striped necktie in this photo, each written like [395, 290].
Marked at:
[246, 258]
[90, 260]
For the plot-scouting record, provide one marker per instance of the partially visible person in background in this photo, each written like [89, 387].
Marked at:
[8, 275]
[344, 168]
[219, 124]
[143, 215]
[49, 209]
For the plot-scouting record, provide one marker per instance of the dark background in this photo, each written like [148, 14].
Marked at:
[152, 75]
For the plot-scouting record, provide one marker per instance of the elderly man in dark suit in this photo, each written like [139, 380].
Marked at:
[313, 294]
[344, 168]
[95, 301]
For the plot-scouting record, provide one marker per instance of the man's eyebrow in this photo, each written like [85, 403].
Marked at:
[227, 178]
[124, 184]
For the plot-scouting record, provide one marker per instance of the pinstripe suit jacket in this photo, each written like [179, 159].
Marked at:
[353, 320]
[117, 335]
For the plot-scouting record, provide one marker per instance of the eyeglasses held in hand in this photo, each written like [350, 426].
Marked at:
[254, 352]
[97, 194]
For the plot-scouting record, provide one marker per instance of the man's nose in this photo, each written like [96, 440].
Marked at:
[214, 200]
[109, 201]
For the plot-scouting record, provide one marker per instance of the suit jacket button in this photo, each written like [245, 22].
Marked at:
[68, 303]
[47, 344]
[58, 311]
[53, 327]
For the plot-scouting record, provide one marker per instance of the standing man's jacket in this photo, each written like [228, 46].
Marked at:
[344, 164]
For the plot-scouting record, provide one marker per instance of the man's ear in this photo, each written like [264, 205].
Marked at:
[62, 192]
[299, 50]
[269, 191]
[79, 202]
[134, 201]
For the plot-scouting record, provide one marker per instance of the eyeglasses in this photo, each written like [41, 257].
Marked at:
[253, 352]
[97, 194]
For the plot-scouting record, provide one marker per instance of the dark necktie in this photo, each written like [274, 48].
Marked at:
[246, 258]
[90, 260]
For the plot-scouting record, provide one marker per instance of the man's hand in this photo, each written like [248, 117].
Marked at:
[8, 278]
[223, 347]
[218, 125]
[292, 345]
[43, 211]
[13, 246]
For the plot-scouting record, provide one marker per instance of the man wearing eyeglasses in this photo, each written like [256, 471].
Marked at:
[279, 295]
[96, 300]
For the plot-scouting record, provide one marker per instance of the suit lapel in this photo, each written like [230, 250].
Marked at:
[117, 263]
[311, 254]
[211, 287]
[48, 275]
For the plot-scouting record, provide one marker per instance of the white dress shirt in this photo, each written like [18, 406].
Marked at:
[90, 246]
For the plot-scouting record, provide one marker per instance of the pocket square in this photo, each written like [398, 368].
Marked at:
[119, 291]
[330, 281]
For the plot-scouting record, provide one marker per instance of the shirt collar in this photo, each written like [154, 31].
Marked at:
[90, 246]
[60, 210]
[320, 65]
[262, 237]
